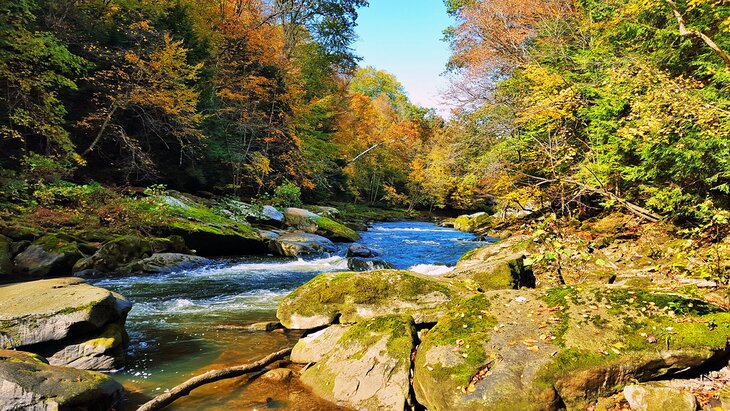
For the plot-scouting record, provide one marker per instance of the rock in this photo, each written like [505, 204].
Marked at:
[314, 346]
[27, 382]
[324, 211]
[65, 319]
[532, 350]
[360, 250]
[115, 254]
[298, 244]
[354, 297]
[6, 262]
[473, 222]
[367, 264]
[307, 221]
[17, 247]
[655, 397]
[368, 369]
[163, 262]
[49, 256]
[266, 326]
[278, 375]
[496, 266]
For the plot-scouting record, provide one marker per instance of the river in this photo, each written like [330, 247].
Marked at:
[186, 322]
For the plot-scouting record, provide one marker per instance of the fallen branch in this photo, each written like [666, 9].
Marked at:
[184, 389]
[684, 31]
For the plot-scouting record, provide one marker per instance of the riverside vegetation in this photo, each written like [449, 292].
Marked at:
[591, 138]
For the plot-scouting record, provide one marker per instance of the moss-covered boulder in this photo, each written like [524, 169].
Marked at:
[6, 258]
[65, 319]
[299, 244]
[313, 347]
[305, 220]
[28, 382]
[368, 367]
[473, 223]
[658, 397]
[164, 262]
[496, 266]
[533, 350]
[116, 253]
[351, 297]
[49, 256]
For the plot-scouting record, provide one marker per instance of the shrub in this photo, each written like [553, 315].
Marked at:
[287, 195]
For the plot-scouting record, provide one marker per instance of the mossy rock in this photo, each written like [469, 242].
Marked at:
[104, 351]
[368, 367]
[566, 347]
[305, 220]
[473, 222]
[496, 266]
[351, 297]
[6, 262]
[49, 256]
[298, 244]
[29, 382]
[120, 251]
[46, 315]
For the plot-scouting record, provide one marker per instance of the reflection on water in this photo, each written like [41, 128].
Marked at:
[187, 322]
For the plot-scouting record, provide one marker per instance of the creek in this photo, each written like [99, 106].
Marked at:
[187, 322]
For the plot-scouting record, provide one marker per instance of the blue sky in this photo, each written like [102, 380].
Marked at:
[403, 37]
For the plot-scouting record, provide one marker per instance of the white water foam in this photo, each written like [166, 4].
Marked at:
[409, 229]
[323, 264]
[431, 269]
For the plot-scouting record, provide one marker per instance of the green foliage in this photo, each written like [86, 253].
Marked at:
[287, 195]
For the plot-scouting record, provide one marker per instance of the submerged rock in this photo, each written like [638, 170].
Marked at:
[28, 382]
[307, 221]
[496, 266]
[352, 297]
[300, 244]
[66, 320]
[49, 256]
[367, 264]
[361, 250]
[368, 368]
[278, 375]
[531, 350]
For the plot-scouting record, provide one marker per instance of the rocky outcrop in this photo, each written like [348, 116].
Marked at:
[65, 320]
[533, 350]
[49, 256]
[352, 297]
[473, 223]
[113, 255]
[496, 266]
[299, 244]
[28, 382]
[367, 264]
[307, 221]
[164, 262]
[368, 368]
[361, 250]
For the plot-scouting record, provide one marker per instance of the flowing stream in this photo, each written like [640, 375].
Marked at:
[187, 322]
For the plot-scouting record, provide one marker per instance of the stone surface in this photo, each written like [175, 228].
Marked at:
[278, 375]
[368, 368]
[299, 243]
[568, 346]
[307, 221]
[473, 222]
[496, 266]
[164, 262]
[353, 297]
[314, 346]
[367, 264]
[49, 256]
[27, 382]
[361, 250]
[265, 326]
[655, 397]
[64, 319]
[6, 261]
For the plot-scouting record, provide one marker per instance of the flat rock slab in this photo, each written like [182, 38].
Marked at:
[54, 315]
[27, 382]
[655, 397]
[369, 367]
[316, 345]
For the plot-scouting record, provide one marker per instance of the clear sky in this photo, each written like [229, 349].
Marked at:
[403, 37]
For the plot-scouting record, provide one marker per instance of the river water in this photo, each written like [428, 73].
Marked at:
[187, 322]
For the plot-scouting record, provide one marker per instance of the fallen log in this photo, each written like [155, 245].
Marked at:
[184, 389]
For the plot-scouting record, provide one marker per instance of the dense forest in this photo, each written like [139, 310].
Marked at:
[575, 104]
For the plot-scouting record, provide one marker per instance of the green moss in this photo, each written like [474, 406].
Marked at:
[468, 255]
[400, 328]
[57, 244]
[336, 230]
[112, 336]
[199, 218]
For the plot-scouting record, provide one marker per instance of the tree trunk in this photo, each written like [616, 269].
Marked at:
[684, 31]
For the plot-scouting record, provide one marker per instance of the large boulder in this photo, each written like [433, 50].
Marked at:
[473, 222]
[49, 256]
[307, 221]
[361, 250]
[313, 347]
[658, 397]
[496, 266]
[164, 262]
[114, 254]
[352, 297]
[531, 350]
[299, 244]
[66, 320]
[368, 368]
[367, 264]
[28, 382]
